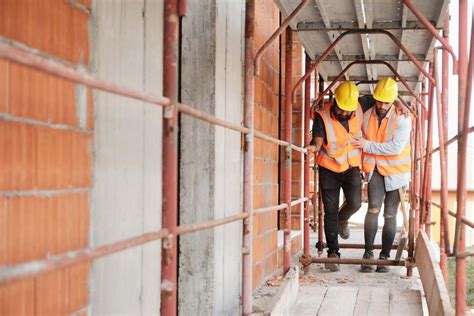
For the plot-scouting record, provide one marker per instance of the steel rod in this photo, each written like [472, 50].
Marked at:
[307, 139]
[288, 152]
[433, 31]
[444, 227]
[32, 58]
[359, 261]
[360, 31]
[191, 228]
[249, 94]
[269, 209]
[275, 34]
[169, 249]
[67, 259]
[464, 96]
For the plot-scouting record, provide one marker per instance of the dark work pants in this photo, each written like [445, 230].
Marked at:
[330, 184]
[391, 200]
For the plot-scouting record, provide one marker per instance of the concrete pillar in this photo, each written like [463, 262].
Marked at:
[126, 48]
[211, 157]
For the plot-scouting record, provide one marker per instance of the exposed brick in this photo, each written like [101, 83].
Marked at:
[39, 96]
[21, 21]
[18, 298]
[258, 196]
[53, 158]
[258, 248]
[78, 287]
[38, 226]
[4, 82]
[81, 160]
[3, 230]
[258, 274]
[18, 159]
[51, 291]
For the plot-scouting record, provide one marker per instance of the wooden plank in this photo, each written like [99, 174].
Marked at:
[436, 293]
[405, 302]
[309, 300]
[339, 301]
[372, 301]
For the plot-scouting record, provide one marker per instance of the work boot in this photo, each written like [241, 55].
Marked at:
[343, 228]
[382, 269]
[368, 254]
[333, 267]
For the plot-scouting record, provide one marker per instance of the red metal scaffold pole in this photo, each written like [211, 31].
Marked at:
[288, 151]
[169, 267]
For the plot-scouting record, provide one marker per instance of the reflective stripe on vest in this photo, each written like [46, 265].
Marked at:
[338, 155]
[386, 164]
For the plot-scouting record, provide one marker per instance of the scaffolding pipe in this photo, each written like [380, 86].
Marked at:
[369, 62]
[444, 224]
[307, 139]
[288, 153]
[249, 93]
[169, 260]
[191, 228]
[29, 57]
[361, 31]
[399, 263]
[465, 90]
[453, 214]
[36, 268]
[280, 30]
[434, 32]
[428, 163]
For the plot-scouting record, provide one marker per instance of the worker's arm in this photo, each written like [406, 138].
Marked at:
[315, 144]
[393, 147]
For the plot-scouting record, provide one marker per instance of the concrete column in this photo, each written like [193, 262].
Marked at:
[126, 48]
[211, 157]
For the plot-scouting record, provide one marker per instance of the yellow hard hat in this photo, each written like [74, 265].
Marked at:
[347, 96]
[386, 90]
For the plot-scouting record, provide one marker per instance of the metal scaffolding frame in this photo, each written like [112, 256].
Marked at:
[420, 195]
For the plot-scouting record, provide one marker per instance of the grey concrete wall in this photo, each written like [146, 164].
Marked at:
[126, 48]
[211, 159]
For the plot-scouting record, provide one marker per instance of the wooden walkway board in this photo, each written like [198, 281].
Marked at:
[339, 300]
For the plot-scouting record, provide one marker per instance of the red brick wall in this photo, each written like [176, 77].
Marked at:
[266, 256]
[45, 159]
[265, 192]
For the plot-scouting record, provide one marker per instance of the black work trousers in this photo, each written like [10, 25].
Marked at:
[330, 185]
[391, 200]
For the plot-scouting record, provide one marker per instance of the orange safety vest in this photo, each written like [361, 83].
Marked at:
[386, 164]
[337, 154]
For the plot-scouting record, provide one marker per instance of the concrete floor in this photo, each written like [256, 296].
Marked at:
[349, 291]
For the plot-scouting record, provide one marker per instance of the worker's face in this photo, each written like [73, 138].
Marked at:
[341, 114]
[382, 107]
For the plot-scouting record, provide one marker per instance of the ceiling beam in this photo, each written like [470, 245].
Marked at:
[403, 24]
[332, 57]
[362, 78]
[347, 26]
[439, 26]
[332, 35]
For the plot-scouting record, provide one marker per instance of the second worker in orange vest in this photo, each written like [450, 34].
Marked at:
[386, 157]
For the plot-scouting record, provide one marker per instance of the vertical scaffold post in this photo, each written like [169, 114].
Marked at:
[288, 151]
[307, 139]
[464, 98]
[247, 251]
[169, 267]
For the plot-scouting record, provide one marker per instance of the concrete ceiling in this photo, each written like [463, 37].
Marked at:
[322, 21]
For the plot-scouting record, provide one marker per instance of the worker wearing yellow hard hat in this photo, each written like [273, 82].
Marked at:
[386, 158]
[338, 162]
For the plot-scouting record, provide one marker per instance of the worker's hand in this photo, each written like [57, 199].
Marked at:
[401, 109]
[357, 142]
[310, 148]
